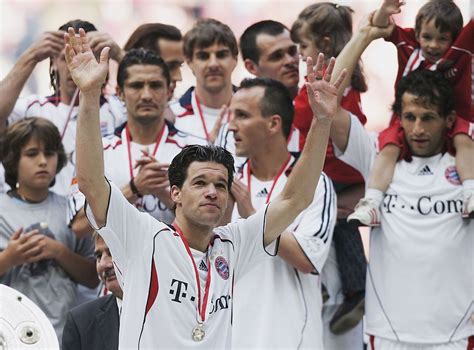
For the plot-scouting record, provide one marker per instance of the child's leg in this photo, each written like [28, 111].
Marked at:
[352, 271]
[465, 166]
[367, 210]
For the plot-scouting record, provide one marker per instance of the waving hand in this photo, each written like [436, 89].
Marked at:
[322, 94]
[87, 73]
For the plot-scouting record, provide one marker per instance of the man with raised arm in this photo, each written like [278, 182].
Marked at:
[419, 292]
[61, 108]
[157, 264]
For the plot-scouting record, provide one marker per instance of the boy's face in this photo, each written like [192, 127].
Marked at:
[37, 166]
[425, 129]
[433, 43]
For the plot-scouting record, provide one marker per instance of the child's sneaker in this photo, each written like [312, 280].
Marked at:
[366, 213]
[468, 211]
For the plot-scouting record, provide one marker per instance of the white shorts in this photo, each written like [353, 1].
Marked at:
[377, 343]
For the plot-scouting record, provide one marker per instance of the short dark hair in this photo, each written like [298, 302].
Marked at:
[148, 34]
[431, 88]
[178, 169]
[446, 15]
[327, 19]
[248, 40]
[76, 24]
[139, 57]
[206, 32]
[276, 100]
[19, 134]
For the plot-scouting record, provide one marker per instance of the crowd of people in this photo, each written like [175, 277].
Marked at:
[220, 218]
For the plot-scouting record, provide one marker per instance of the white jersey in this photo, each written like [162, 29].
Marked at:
[193, 117]
[120, 157]
[112, 115]
[420, 276]
[157, 273]
[275, 306]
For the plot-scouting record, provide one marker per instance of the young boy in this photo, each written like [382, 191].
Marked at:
[438, 42]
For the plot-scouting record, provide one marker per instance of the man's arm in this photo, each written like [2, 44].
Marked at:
[288, 249]
[89, 76]
[299, 190]
[48, 45]
[347, 60]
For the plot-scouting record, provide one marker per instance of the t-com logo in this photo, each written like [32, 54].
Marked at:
[425, 205]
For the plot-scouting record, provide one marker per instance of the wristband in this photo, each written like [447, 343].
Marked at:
[134, 188]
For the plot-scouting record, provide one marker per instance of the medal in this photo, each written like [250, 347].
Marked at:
[198, 332]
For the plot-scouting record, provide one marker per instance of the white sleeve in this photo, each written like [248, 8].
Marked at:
[24, 105]
[315, 225]
[361, 148]
[126, 229]
[75, 200]
[247, 234]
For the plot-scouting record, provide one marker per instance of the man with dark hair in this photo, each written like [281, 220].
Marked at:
[210, 50]
[268, 51]
[95, 325]
[422, 250]
[166, 41]
[289, 285]
[62, 107]
[183, 275]
[137, 155]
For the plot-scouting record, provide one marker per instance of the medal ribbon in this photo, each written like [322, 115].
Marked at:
[249, 177]
[201, 116]
[68, 118]
[129, 139]
[201, 308]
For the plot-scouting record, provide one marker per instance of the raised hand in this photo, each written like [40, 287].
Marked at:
[49, 44]
[87, 73]
[99, 40]
[387, 9]
[391, 7]
[322, 94]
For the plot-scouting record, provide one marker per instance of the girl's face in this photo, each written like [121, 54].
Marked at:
[307, 48]
[37, 166]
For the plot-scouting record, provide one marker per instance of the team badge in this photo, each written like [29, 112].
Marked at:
[452, 175]
[222, 267]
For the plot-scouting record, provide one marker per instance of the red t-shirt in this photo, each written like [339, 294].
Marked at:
[337, 170]
[456, 64]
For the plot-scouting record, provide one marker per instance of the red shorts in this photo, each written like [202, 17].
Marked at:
[395, 135]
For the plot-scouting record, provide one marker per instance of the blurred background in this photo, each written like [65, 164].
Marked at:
[21, 22]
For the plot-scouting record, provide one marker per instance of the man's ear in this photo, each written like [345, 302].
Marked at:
[275, 124]
[450, 118]
[251, 66]
[175, 193]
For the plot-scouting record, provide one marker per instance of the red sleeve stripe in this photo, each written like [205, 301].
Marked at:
[153, 289]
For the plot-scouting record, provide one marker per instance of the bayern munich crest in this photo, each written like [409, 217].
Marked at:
[222, 267]
[452, 175]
